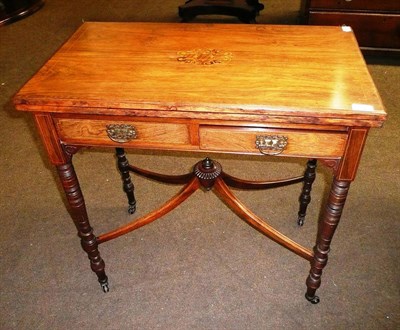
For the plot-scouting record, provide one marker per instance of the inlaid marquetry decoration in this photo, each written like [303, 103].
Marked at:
[204, 56]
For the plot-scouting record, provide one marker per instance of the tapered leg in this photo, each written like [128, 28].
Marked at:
[77, 206]
[123, 166]
[330, 220]
[305, 197]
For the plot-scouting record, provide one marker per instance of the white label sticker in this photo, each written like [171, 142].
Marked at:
[362, 107]
[346, 28]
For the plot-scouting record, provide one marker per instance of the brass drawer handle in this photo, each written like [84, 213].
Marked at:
[121, 133]
[271, 145]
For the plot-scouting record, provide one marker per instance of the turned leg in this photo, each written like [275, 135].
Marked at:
[123, 166]
[305, 197]
[330, 220]
[79, 215]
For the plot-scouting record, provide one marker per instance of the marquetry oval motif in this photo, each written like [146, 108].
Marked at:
[204, 56]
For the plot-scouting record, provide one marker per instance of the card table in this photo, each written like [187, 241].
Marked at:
[262, 90]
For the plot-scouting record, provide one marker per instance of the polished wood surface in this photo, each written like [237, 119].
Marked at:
[287, 91]
[274, 71]
[302, 143]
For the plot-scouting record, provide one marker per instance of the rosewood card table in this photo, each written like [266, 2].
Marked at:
[271, 91]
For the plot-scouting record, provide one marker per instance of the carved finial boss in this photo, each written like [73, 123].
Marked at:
[207, 171]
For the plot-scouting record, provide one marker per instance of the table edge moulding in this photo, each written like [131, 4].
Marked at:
[265, 90]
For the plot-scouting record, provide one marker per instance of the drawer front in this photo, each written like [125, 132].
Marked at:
[124, 133]
[374, 5]
[299, 143]
[371, 30]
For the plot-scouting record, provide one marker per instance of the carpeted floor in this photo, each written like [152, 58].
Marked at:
[200, 267]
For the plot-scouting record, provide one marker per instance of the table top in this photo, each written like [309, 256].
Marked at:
[299, 72]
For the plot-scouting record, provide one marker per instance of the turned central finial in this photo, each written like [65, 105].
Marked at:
[207, 163]
[207, 171]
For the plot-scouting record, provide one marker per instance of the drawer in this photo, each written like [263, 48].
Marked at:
[373, 5]
[299, 143]
[371, 30]
[124, 133]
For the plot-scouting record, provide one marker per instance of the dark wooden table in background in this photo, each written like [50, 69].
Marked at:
[13, 10]
[245, 10]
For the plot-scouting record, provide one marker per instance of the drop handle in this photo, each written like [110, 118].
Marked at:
[121, 133]
[271, 145]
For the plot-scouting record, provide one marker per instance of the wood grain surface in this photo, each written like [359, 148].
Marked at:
[297, 71]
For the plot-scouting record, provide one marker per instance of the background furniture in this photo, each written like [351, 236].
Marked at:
[13, 10]
[245, 10]
[375, 23]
